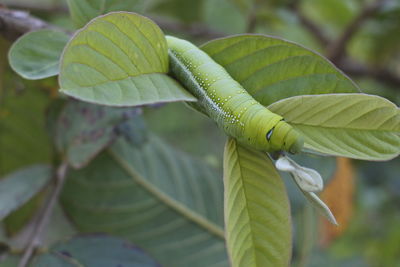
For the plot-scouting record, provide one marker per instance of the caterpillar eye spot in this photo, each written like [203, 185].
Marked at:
[269, 133]
[283, 119]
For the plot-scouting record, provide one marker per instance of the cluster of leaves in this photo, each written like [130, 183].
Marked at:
[129, 183]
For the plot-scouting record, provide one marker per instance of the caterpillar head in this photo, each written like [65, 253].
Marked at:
[284, 137]
[271, 134]
[279, 136]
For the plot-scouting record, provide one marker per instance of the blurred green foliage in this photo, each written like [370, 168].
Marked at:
[373, 237]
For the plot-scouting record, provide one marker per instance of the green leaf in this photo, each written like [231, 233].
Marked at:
[18, 187]
[335, 15]
[155, 196]
[119, 59]
[17, 221]
[9, 260]
[271, 69]
[36, 55]
[95, 250]
[82, 11]
[183, 10]
[257, 213]
[357, 126]
[84, 130]
[23, 138]
[59, 228]
[226, 18]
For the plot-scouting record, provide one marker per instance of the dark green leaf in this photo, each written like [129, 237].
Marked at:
[23, 138]
[271, 69]
[9, 261]
[155, 196]
[83, 130]
[187, 11]
[95, 250]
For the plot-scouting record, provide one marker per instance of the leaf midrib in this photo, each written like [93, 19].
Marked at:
[110, 81]
[343, 128]
[246, 199]
[167, 200]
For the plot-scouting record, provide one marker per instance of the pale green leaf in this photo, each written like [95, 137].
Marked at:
[257, 213]
[271, 69]
[36, 55]
[82, 11]
[357, 126]
[20, 186]
[95, 250]
[160, 199]
[119, 59]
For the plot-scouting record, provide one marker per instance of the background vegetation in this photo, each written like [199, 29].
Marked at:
[359, 36]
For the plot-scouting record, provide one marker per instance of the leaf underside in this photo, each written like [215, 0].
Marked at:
[119, 59]
[257, 213]
[95, 250]
[357, 126]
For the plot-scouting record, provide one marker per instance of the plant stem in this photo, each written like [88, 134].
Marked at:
[44, 215]
[337, 49]
[318, 33]
[14, 23]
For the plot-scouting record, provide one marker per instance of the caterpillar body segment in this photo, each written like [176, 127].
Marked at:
[224, 100]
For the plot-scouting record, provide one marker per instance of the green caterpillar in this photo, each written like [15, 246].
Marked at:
[228, 103]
